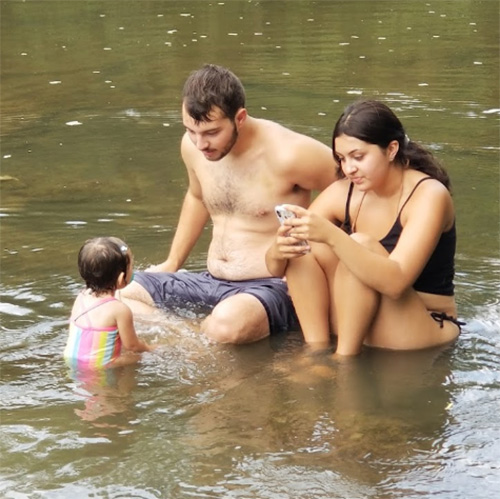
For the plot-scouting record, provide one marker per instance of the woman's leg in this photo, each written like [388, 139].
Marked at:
[364, 316]
[309, 289]
[406, 324]
[355, 306]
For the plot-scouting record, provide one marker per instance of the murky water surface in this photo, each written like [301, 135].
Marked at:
[90, 134]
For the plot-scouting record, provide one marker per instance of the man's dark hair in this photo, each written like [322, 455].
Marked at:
[212, 86]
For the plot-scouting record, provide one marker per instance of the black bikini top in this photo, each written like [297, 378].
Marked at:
[437, 275]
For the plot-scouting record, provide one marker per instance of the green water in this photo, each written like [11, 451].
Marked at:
[90, 131]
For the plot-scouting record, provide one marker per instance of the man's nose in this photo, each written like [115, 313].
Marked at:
[201, 142]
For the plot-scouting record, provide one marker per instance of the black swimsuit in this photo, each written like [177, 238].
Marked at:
[437, 275]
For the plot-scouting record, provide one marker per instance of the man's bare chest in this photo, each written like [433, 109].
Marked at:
[240, 191]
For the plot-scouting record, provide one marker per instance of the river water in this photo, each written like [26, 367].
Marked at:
[90, 131]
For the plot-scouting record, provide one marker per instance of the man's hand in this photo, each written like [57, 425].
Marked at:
[165, 266]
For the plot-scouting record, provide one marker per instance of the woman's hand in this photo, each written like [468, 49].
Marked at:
[307, 226]
[284, 248]
[289, 246]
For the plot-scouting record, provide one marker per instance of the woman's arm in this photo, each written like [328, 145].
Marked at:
[424, 221]
[328, 204]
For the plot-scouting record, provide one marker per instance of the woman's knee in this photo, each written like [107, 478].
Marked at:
[325, 257]
[368, 242]
[300, 264]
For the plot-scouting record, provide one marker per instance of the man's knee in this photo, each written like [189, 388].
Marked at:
[237, 321]
[221, 329]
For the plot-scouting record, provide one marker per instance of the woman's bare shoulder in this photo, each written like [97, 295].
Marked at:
[430, 190]
[428, 199]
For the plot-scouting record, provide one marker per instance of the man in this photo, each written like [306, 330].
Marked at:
[239, 168]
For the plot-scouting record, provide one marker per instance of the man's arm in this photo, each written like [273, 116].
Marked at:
[313, 166]
[192, 220]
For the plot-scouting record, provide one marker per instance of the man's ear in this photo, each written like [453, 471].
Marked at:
[240, 117]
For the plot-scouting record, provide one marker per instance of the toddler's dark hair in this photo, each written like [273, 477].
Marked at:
[100, 262]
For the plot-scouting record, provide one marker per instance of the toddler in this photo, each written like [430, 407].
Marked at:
[100, 325]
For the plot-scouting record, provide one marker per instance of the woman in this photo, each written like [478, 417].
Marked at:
[379, 263]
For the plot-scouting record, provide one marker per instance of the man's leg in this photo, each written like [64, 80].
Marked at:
[153, 291]
[137, 298]
[241, 318]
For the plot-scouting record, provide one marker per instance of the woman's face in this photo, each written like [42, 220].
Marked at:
[364, 164]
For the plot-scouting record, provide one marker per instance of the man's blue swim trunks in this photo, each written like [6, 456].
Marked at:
[171, 290]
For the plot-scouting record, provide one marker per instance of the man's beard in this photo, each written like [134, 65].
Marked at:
[229, 146]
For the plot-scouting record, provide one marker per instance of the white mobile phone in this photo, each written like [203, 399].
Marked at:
[283, 214]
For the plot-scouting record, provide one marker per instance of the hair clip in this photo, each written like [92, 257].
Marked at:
[123, 248]
[407, 140]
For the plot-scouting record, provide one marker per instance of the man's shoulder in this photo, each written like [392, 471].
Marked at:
[189, 152]
[277, 134]
[275, 127]
[301, 159]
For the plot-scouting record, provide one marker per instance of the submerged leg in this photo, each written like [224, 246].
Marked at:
[308, 284]
[355, 308]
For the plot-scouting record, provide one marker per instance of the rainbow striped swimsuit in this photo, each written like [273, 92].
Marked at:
[89, 347]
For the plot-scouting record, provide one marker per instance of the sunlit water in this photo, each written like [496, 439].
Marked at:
[90, 145]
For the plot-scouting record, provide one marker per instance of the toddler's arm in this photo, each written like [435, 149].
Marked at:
[128, 335]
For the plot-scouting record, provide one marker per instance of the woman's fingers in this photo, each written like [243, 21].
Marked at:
[298, 210]
[290, 246]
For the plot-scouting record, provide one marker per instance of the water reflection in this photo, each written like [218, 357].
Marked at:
[105, 392]
[358, 417]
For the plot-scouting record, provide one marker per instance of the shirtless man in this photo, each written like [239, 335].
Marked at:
[239, 168]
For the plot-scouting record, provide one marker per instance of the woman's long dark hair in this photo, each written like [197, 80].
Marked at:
[373, 122]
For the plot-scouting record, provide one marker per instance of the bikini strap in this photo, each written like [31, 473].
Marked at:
[346, 224]
[95, 305]
[440, 317]
[411, 193]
